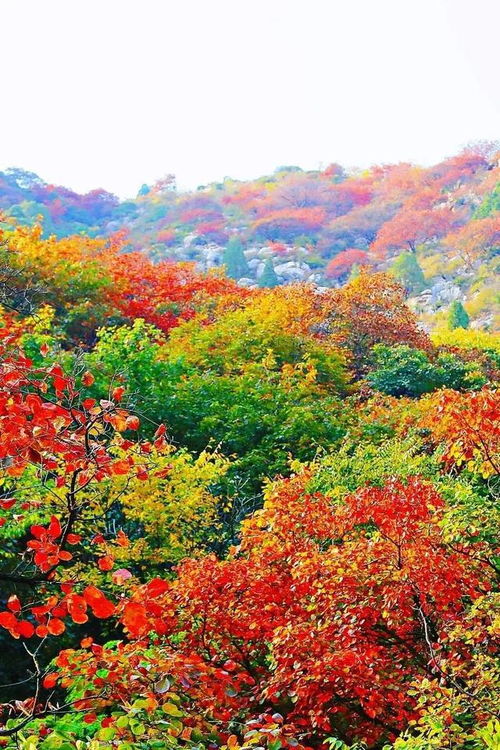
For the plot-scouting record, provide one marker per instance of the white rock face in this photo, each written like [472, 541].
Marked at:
[440, 294]
[316, 278]
[210, 256]
[485, 322]
[265, 252]
[293, 270]
[260, 269]
[251, 253]
[443, 292]
[246, 282]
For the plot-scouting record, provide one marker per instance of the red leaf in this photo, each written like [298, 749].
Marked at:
[13, 603]
[26, 629]
[120, 467]
[56, 626]
[132, 423]
[160, 431]
[122, 539]
[106, 562]
[54, 529]
[50, 680]
[77, 608]
[156, 587]
[117, 393]
[7, 503]
[7, 620]
[134, 618]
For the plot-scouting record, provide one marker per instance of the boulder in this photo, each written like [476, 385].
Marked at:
[293, 270]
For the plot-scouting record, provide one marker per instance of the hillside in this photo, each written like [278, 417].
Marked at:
[238, 518]
[437, 229]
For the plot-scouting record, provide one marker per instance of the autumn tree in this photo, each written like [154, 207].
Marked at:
[371, 309]
[412, 227]
[319, 601]
[341, 265]
[475, 240]
[468, 428]
[289, 223]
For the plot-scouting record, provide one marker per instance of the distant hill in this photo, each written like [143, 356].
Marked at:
[437, 228]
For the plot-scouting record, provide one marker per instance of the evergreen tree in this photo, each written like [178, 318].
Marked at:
[457, 316]
[407, 270]
[268, 276]
[355, 271]
[234, 259]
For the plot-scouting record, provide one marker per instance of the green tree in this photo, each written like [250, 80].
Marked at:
[404, 371]
[355, 270]
[457, 316]
[407, 270]
[268, 277]
[234, 259]
[490, 205]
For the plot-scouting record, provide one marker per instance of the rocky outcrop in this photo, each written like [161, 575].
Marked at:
[293, 270]
[441, 294]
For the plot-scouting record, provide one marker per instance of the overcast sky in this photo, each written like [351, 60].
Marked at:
[115, 93]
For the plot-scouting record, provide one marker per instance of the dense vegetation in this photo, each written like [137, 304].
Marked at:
[250, 516]
[436, 229]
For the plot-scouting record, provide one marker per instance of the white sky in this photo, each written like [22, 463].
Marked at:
[114, 93]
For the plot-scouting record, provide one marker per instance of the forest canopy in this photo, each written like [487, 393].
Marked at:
[241, 508]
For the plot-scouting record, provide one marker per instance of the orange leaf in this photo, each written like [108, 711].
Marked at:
[50, 680]
[106, 562]
[88, 378]
[56, 626]
[134, 618]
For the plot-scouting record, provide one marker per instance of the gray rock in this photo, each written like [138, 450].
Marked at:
[251, 253]
[246, 282]
[293, 270]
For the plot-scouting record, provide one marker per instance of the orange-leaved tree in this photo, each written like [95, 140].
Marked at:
[326, 619]
[467, 426]
[371, 309]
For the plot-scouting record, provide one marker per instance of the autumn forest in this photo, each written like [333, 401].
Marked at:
[249, 461]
